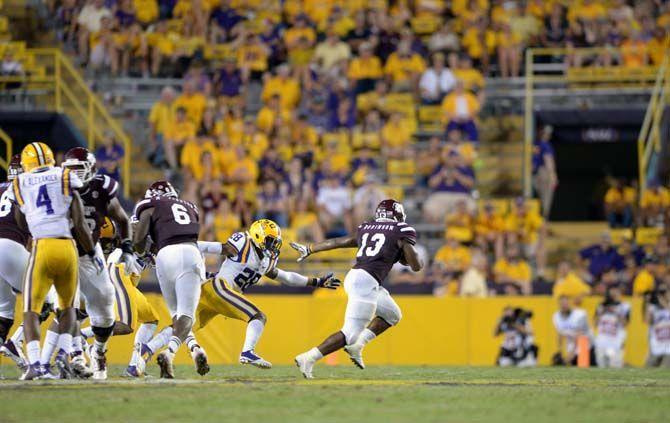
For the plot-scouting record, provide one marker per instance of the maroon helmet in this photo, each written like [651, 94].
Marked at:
[81, 162]
[161, 189]
[14, 169]
[390, 209]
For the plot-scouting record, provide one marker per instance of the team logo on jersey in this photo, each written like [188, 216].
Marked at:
[95, 194]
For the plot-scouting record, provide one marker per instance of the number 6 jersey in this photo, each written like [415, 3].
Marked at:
[173, 221]
[44, 197]
[246, 268]
[380, 247]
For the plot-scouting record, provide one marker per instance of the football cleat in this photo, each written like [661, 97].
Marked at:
[79, 367]
[145, 356]
[164, 361]
[9, 350]
[305, 364]
[131, 372]
[250, 357]
[46, 373]
[98, 364]
[200, 360]
[355, 355]
[34, 371]
[63, 365]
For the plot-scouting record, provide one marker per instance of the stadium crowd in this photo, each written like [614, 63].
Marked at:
[339, 83]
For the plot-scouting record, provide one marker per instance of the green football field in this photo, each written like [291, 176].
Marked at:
[346, 394]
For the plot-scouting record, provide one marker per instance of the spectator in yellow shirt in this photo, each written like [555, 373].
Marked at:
[634, 50]
[513, 273]
[365, 70]
[253, 141]
[509, 51]
[192, 162]
[619, 202]
[252, 58]
[176, 134]
[160, 117]
[283, 85]
[226, 154]
[305, 223]
[645, 281]
[451, 260]
[146, 11]
[654, 204]
[299, 31]
[244, 172]
[162, 45]
[472, 79]
[193, 102]
[479, 42]
[226, 222]
[396, 137]
[568, 283]
[459, 224]
[459, 111]
[658, 46]
[588, 10]
[489, 228]
[404, 68]
[272, 116]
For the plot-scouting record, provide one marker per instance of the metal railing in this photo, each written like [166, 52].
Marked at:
[649, 140]
[4, 161]
[595, 79]
[65, 91]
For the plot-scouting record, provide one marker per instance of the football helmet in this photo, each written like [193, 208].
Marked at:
[108, 229]
[161, 189]
[390, 209]
[36, 155]
[81, 162]
[266, 235]
[14, 169]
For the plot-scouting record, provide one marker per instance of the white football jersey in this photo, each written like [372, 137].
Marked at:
[246, 268]
[574, 324]
[44, 198]
[611, 331]
[659, 331]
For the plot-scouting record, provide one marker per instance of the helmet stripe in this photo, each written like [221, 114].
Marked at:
[39, 152]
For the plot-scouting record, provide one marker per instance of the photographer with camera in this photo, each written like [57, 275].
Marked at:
[518, 348]
[611, 318]
[657, 315]
[570, 323]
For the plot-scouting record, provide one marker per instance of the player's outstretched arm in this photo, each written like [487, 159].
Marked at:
[329, 244]
[411, 256]
[218, 248]
[296, 279]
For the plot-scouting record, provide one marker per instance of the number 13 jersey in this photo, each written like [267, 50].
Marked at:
[44, 197]
[173, 221]
[246, 268]
[380, 246]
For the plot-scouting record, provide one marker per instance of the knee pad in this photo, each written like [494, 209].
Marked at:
[352, 328]
[102, 332]
[391, 316]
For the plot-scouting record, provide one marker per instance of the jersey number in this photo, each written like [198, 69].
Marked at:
[43, 199]
[377, 241]
[247, 278]
[5, 204]
[180, 214]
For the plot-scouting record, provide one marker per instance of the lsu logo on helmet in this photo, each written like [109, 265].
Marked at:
[36, 155]
[266, 235]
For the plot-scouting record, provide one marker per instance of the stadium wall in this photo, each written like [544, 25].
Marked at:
[433, 331]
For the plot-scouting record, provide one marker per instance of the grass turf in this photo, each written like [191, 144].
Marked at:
[378, 394]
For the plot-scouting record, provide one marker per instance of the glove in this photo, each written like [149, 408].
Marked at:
[97, 262]
[328, 282]
[128, 258]
[304, 250]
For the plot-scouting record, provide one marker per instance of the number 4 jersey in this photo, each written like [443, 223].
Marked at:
[247, 267]
[173, 221]
[380, 246]
[44, 197]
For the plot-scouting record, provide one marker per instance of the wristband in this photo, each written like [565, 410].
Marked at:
[127, 246]
[313, 282]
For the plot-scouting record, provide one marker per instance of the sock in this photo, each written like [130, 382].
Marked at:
[77, 345]
[33, 349]
[65, 343]
[87, 332]
[315, 354]
[366, 336]
[174, 344]
[191, 342]
[17, 337]
[100, 346]
[160, 340]
[50, 341]
[254, 332]
[134, 357]
[144, 333]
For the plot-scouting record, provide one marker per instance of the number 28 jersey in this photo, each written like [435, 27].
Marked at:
[247, 267]
[44, 197]
[380, 246]
[173, 221]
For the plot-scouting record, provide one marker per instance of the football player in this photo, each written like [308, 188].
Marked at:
[248, 257]
[98, 195]
[370, 309]
[48, 204]
[173, 225]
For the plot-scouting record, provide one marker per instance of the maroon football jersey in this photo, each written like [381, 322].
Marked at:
[9, 229]
[96, 196]
[380, 246]
[173, 221]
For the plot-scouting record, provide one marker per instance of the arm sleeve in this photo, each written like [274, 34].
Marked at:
[291, 278]
[407, 233]
[110, 186]
[207, 247]
[141, 206]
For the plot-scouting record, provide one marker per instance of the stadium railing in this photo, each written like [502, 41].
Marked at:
[547, 68]
[58, 86]
[4, 161]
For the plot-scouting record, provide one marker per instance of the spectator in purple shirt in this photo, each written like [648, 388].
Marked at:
[271, 166]
[272, 203]
[452, 181]
[228, 80]
[110, 157]
[125, 14]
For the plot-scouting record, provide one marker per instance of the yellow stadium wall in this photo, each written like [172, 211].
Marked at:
[433, 331]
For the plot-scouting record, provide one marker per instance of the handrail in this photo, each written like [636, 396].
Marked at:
[4, 162]
[641, 78]
[69, 86]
